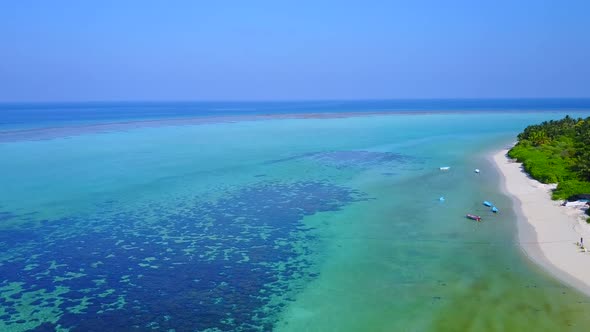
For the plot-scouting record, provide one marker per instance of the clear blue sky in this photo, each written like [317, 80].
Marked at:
[268, 50]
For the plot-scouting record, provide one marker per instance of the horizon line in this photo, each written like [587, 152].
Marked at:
[154, 101]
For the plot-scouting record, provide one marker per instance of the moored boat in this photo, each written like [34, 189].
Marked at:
[473, 217]
[486, 203]
[445, 168]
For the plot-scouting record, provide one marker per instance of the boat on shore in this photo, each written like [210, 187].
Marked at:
[473, 217]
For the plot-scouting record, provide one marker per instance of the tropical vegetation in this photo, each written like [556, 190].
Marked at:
[557, 151]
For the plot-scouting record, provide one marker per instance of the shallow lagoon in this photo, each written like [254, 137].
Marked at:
[291, 224]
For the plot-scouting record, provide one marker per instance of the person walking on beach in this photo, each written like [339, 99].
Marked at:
[582, 242]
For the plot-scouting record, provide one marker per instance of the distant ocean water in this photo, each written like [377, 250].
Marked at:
[24, 115]
[298, 224]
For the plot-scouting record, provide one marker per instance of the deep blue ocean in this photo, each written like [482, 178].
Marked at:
[25, 115]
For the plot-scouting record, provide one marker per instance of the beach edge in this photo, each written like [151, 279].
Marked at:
[560, 258]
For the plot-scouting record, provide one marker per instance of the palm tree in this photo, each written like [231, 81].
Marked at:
[539, 137]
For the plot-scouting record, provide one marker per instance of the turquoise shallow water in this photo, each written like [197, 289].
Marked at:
[291, 224]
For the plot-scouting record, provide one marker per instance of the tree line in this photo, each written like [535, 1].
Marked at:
[557, 151]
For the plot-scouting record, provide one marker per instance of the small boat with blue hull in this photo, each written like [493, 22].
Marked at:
[486, 203]
[494, 209]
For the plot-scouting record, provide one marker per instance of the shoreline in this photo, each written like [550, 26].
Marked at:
[547, 231]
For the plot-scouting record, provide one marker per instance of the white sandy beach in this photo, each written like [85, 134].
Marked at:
[548, 232]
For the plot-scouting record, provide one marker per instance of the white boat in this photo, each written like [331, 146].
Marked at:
[477, 170]
[445, 168]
